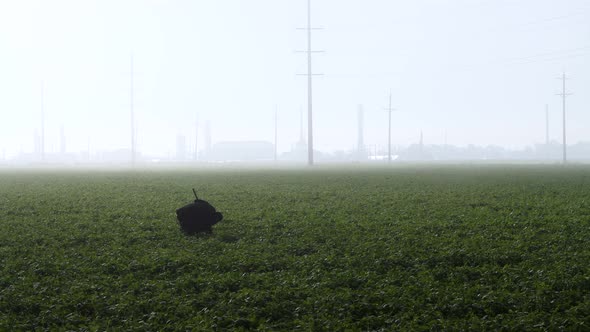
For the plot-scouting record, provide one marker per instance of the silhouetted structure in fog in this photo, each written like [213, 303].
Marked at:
[421, 144]
[133, 135]
[242, 151]
[42, 139]
[309, 74]
[563, 95]
[389, 110]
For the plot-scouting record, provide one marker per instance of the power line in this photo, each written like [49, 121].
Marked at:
[557, 55]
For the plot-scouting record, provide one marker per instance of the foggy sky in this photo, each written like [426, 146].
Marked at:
[479, 71]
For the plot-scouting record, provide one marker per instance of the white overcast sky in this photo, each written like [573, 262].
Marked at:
[479, 70]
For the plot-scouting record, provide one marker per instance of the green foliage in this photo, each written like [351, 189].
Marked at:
[423, 248]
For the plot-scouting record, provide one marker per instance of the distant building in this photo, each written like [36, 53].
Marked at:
[116, 156]
[242, 151]
[417, 152]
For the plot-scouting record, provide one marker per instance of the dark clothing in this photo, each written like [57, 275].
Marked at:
[198, 217]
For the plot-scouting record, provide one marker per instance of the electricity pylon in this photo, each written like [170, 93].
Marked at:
[564, 95]
[309, 85]
[389, 110]
[133, 143]
[42, 148]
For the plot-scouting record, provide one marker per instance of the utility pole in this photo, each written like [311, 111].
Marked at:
[133, 143]
[42, 121]
[564, 95]
[389, 110]
[276, 131]
[309, 86]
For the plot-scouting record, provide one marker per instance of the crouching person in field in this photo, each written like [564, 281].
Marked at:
[198, 217]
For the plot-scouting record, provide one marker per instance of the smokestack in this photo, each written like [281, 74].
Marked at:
[421, 144]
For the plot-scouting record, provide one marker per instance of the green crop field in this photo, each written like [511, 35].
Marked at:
[405, 248]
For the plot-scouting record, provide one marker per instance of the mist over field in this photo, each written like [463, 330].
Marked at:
[144, 82]
[294, 165]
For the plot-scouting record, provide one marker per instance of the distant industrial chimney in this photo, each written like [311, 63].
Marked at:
[421, 144]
